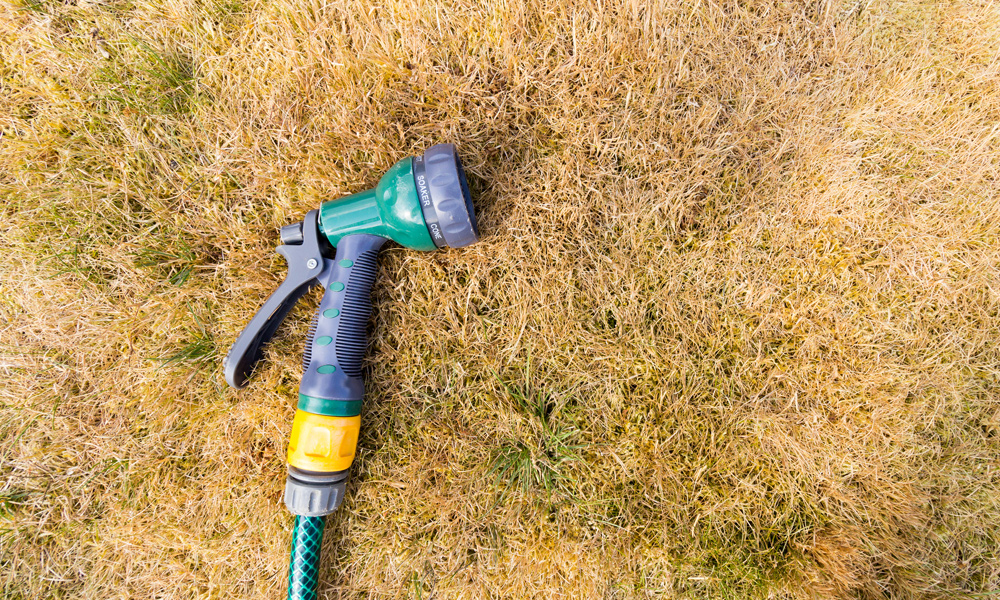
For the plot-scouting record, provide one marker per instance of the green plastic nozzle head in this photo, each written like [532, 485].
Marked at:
[422, 203]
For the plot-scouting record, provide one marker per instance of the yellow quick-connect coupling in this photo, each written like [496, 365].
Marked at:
[323, 444]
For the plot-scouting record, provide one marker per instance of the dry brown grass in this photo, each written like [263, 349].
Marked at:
[731, 331]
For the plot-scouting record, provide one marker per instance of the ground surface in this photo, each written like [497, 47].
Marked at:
[730, 333]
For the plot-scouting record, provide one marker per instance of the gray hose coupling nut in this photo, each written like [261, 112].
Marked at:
[310, 494]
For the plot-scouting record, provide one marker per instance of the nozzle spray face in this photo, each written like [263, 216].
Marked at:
[444, 197]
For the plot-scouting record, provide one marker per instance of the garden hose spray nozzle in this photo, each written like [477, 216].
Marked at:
[421, 203]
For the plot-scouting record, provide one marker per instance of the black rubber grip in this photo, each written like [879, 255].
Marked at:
[336, 348]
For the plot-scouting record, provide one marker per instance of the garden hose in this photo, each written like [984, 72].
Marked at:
[421, 203]
[303, 564]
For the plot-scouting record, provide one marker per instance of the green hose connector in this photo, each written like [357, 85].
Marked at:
[303, 566]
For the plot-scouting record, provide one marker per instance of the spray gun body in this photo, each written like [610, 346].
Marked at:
[421, 203]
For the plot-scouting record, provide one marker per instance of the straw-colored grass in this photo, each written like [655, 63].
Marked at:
[731, 331]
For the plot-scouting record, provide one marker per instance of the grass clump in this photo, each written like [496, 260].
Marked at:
[158, 82]
[730, 331]
[539, 462]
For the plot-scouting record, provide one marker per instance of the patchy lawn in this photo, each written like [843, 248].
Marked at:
[731, 331]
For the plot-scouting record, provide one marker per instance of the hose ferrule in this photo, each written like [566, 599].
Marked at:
[309, 494]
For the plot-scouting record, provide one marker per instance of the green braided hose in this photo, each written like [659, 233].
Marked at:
[303, 566]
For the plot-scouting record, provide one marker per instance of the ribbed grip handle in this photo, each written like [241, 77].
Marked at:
[331, 384]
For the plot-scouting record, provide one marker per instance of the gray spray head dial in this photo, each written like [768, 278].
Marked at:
[444, 197]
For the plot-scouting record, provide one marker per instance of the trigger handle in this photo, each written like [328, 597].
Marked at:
[305, 265]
